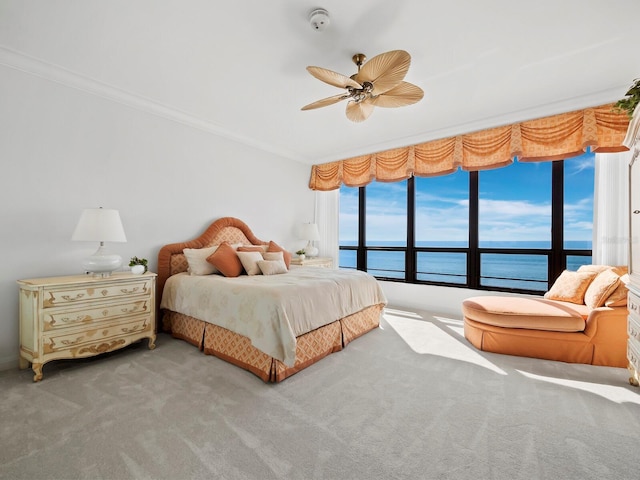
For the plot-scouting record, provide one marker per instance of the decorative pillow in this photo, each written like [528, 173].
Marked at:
[619, 296]
[226, 260]
[274, 247]
[621, 270]
[570, 287]
[594, 268]
[273, 256]
[197, 260]
[600, 288]
[250, 261]
[252, 248]
[272, 267]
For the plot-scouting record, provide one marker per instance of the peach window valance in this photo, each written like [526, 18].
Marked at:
[550, 138]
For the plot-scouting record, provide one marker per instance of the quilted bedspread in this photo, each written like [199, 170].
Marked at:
[272, 310]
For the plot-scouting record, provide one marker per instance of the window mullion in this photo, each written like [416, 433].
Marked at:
[556, 261]
[410, 256]
[361, 260]
[473, 257]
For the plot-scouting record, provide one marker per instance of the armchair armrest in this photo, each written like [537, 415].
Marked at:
[607, 324]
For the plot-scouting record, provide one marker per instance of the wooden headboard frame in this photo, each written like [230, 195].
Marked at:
[171, 260]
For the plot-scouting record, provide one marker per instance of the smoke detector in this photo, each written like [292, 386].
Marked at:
[319, 19]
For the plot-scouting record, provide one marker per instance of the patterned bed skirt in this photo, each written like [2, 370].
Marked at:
[237, 349]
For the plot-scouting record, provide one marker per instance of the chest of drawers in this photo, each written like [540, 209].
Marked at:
[323, 262]
[81, 316]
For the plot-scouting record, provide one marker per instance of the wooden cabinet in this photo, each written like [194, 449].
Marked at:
[324, 262]
[632, 141]
[81, 316]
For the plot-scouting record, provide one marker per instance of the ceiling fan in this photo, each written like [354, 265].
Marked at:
[378, 83]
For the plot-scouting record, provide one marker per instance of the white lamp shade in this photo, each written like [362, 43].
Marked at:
[99, 225]
[309, 231]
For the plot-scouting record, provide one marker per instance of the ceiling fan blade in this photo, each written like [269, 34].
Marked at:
[333, 78]
[385, 71]
[399, 96]
[359, 112]
[325, 102]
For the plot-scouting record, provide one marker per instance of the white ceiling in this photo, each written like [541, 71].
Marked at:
[237, 68]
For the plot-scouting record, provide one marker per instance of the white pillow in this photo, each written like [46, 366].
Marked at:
[197, 260]
[250, 262]
[272, 267]
[273, 256]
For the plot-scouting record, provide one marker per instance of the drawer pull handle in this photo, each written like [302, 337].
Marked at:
[68, 298]
[131, 290]
[132, 329]
[72, 342]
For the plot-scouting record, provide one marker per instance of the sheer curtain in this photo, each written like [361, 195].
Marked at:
[327, 211]
[611, 209]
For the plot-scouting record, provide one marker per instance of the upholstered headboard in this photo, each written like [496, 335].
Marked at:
[171, 260]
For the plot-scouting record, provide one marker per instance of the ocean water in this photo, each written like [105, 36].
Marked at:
[520, 271]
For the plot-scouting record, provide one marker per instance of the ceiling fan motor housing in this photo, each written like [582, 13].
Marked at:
[319, 19]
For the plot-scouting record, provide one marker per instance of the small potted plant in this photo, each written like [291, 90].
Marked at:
[301, 254]
[138, 265]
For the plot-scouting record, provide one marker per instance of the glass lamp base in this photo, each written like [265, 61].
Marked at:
[102, 263]
[310, 250]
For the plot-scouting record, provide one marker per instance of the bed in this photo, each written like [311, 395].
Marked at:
[271, 325]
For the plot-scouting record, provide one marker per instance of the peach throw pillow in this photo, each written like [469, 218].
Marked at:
[226, 260]
[600, 288]
[254, 248]
[274, 247]
[619, 296]
[570, 287]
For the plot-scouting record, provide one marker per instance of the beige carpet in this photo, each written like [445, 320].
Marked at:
[409, 400]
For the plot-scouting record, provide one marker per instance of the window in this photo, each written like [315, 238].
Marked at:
[515, 217]
[348, 227]
[442, 222]
[513, 228]
[386, 229]
[578, 209]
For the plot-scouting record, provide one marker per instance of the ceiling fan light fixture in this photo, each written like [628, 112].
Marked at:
[378, 83]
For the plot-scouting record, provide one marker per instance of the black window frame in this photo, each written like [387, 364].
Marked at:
[556, 255]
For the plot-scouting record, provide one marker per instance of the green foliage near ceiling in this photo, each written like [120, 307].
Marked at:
[632, 97]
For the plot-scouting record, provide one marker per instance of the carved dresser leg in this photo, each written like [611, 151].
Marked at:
[37, 369]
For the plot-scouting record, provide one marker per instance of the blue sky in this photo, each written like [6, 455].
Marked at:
[515, 204]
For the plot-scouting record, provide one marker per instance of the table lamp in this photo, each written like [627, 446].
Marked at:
[309, 231]
[100, 225]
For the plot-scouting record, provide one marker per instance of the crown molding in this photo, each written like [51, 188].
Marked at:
[55, 73]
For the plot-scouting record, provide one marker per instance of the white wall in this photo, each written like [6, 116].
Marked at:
[62, 150]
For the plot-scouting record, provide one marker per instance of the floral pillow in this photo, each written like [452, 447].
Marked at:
[601, 288]
[570, 287]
